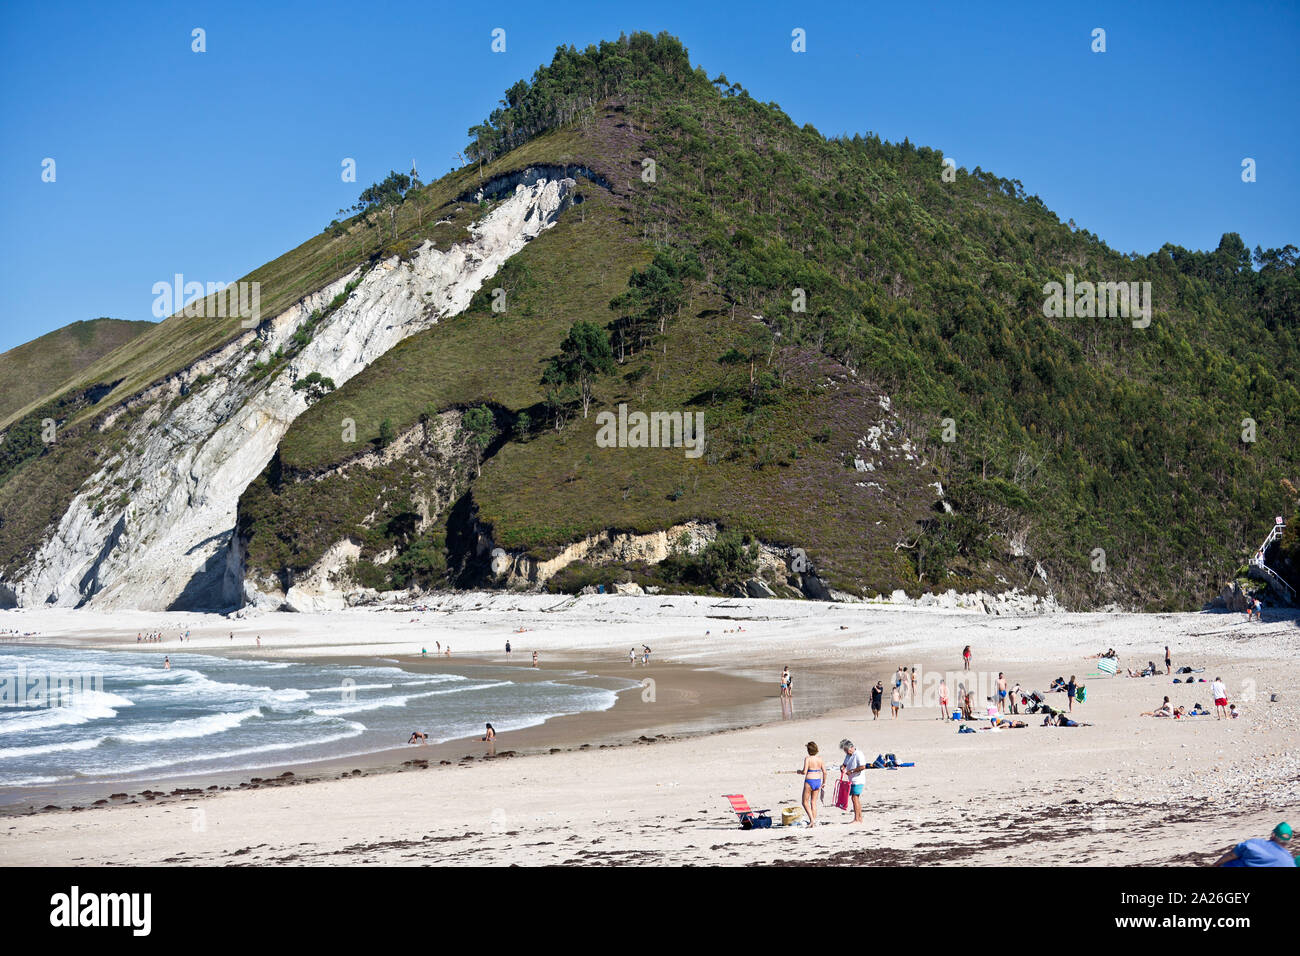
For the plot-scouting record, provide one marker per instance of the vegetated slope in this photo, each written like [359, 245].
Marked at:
[95, 408]
[29, 370]
[1109, 455]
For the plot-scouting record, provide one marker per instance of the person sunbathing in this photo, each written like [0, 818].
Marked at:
[1061, 720]
[1164, 710]
[1001, 722]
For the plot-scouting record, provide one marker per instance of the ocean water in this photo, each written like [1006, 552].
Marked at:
[79, 715]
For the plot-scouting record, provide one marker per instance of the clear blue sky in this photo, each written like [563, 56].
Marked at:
[209, 164]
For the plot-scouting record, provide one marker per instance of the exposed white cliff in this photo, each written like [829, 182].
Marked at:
[152, 528]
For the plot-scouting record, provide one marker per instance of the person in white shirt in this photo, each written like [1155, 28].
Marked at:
[1220, 694]
[854, 766]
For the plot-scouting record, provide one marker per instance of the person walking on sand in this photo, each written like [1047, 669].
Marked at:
[1219, 691]
[965, 657]
[814, 777]
[1168, 662]
[895, 700]
[943, 699]
[854, 766]
[877, 698]
[1070, 688]
[631, 657]
[785, 681]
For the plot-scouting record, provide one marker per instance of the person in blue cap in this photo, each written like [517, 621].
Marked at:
[1274, 851]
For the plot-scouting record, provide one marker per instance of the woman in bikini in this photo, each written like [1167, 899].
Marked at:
[814, 776]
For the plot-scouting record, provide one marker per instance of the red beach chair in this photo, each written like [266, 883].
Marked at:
[749, 818]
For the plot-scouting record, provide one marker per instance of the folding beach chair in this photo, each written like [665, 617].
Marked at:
[749, 819]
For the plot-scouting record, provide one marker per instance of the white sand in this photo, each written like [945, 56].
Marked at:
[1126, 790]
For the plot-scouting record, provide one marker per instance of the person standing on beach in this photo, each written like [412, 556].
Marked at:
[854, 766]
[1219, 691]
[895, 700]
[785, 681]
[814, 777]
[1070, 688]
[631, 657]
[913, 685]
[1168, 661]
[1002, 692]
[943, 699]
[534, 658]
[507, 652]
[965, 657]
[877, 698]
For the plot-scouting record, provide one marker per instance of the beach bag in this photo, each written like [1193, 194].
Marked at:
[1081, 695]
[760, 821]
[842, 793]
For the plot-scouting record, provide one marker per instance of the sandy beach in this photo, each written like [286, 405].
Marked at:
[643, 783]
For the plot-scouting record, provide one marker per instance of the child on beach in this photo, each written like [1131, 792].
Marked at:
[965, 657]
[943, 699]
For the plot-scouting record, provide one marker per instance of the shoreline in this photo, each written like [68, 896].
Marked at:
[687, 701]
[1124, 790]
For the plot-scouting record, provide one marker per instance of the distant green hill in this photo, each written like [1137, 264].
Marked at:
[35, 368]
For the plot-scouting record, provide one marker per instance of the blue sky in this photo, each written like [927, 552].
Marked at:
[212, 163]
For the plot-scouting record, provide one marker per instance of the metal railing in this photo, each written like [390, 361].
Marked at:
[1273, 577]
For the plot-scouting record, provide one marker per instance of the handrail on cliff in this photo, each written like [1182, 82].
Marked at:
[1257, 560]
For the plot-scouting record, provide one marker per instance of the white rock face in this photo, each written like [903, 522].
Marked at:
[153, 528]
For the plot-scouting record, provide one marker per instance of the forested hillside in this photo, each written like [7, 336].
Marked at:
[1133, 464]
[868, 334]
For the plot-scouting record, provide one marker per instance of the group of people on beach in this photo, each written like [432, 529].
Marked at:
[1222, 709]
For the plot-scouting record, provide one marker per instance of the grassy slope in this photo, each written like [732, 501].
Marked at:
[770, 467]
[29, 370]
[37, 491]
